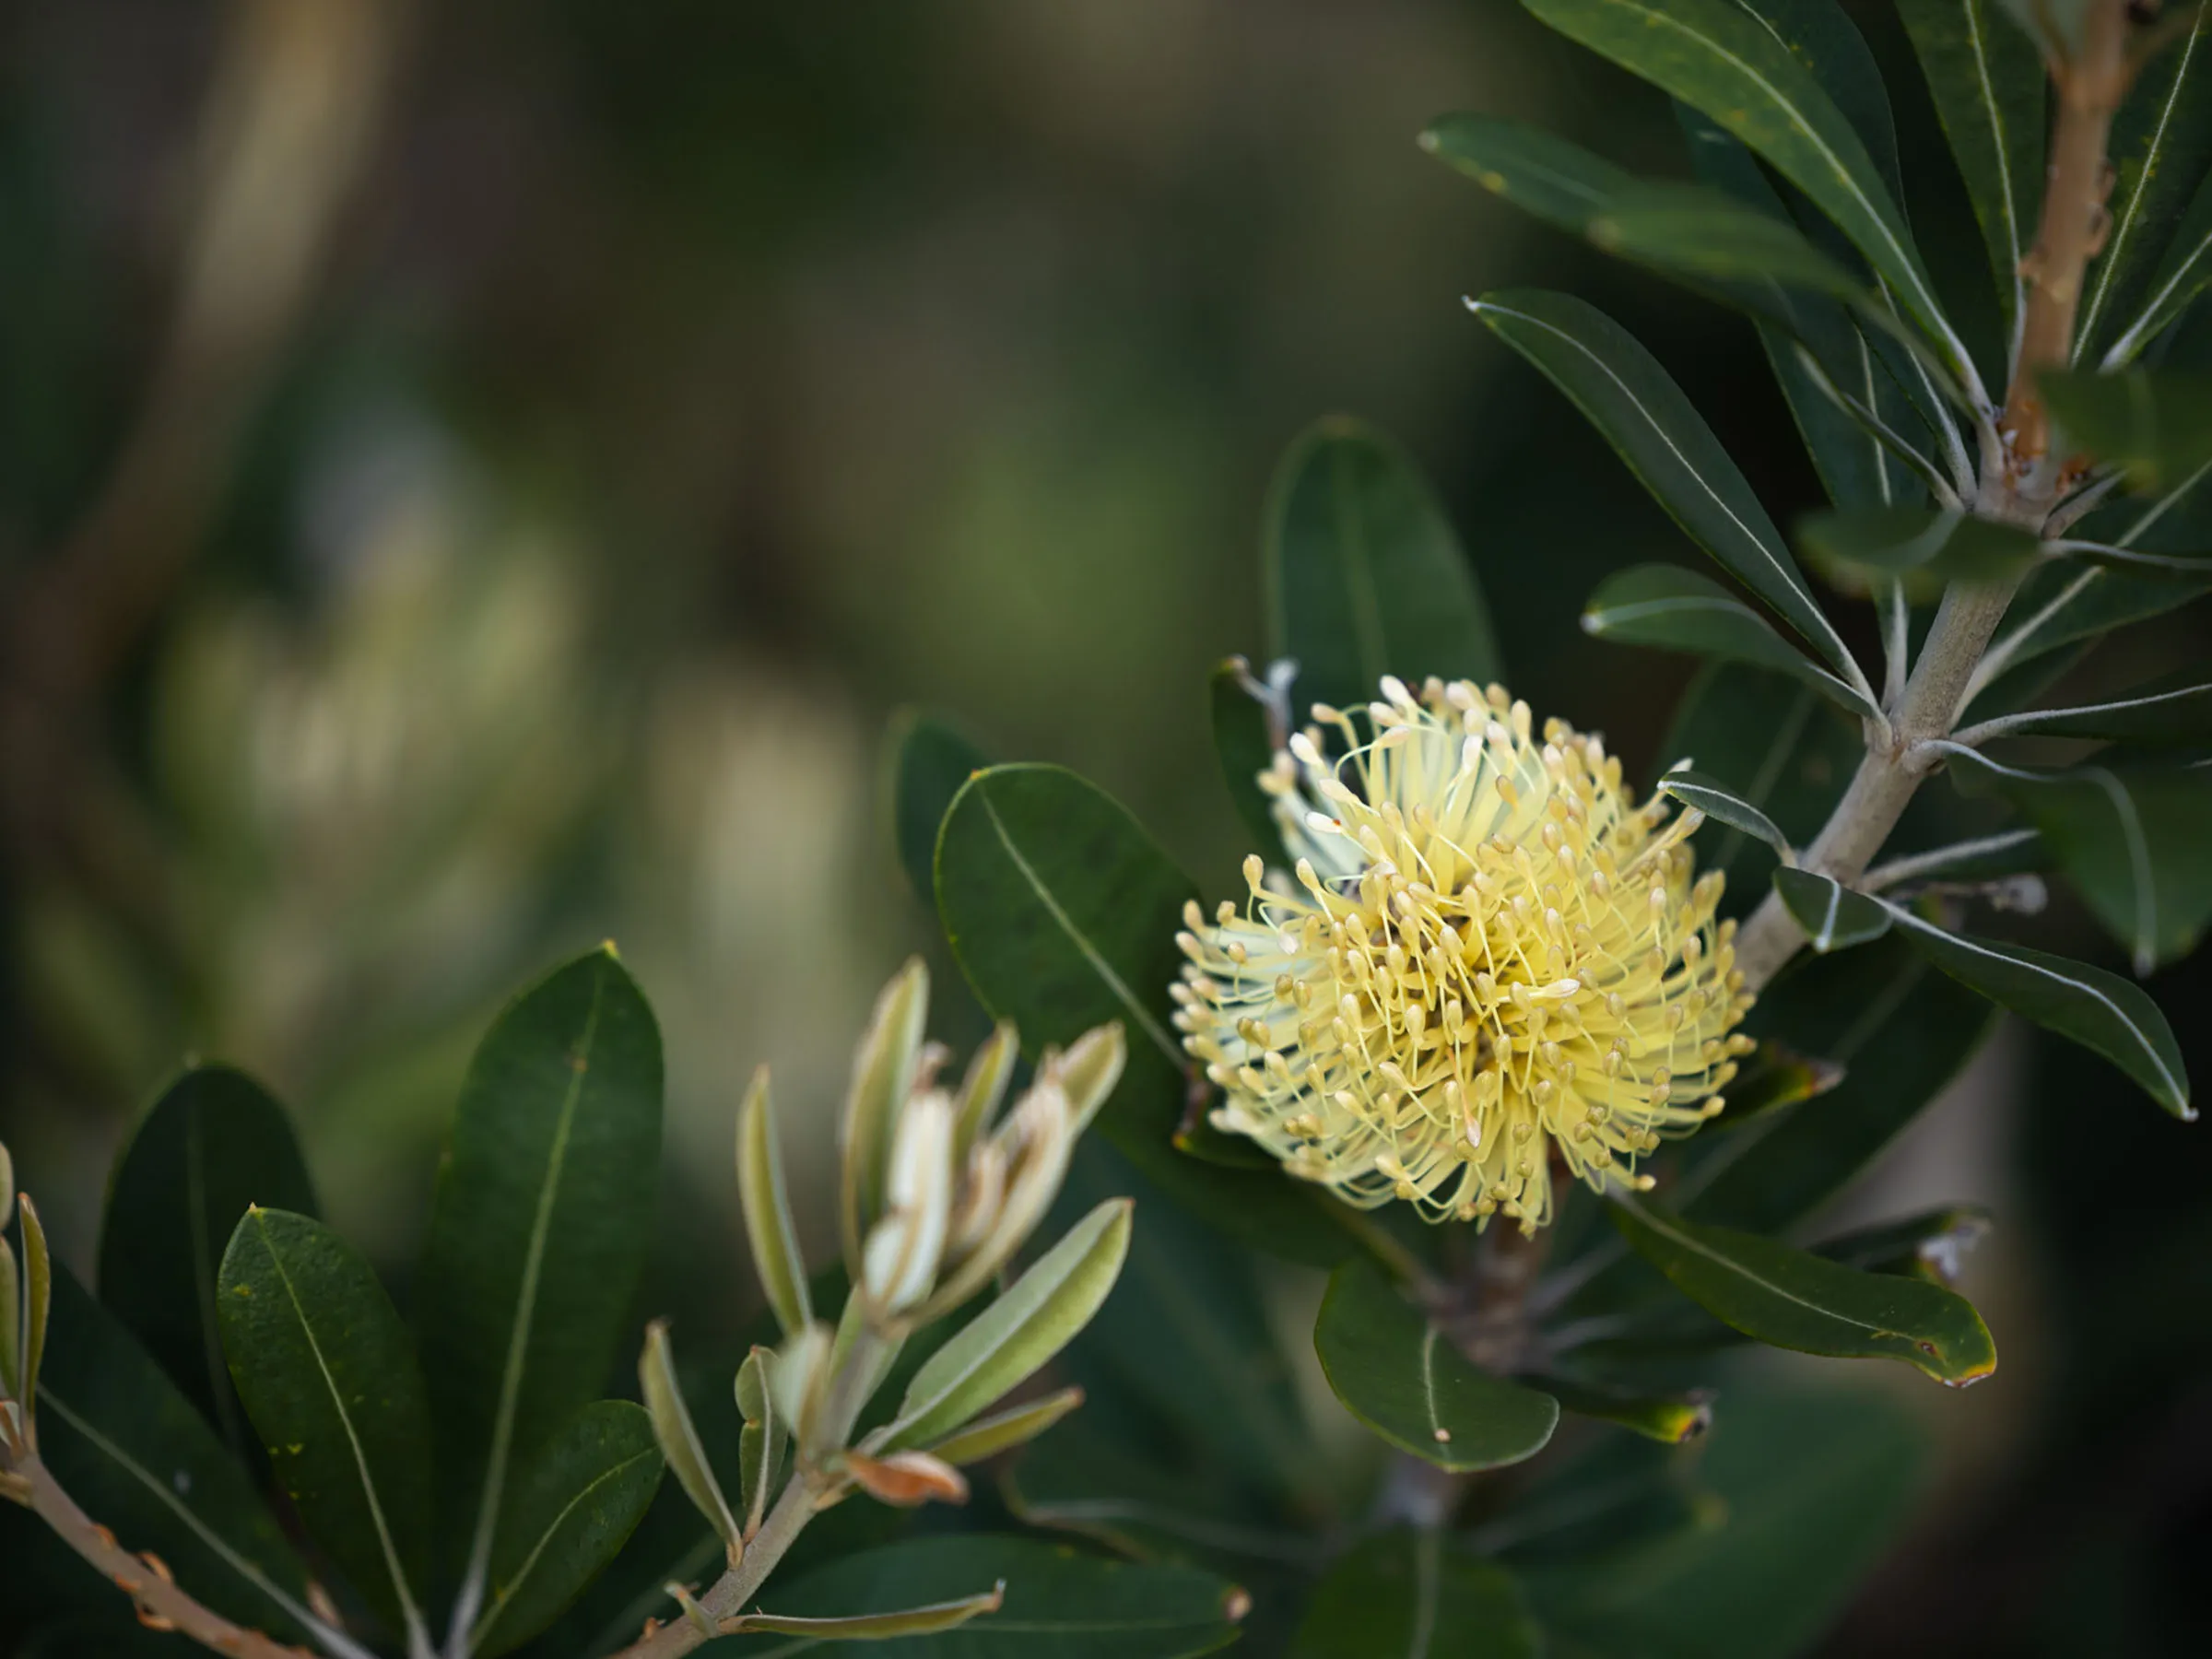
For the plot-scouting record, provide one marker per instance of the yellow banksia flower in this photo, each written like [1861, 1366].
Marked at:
[1488, 958]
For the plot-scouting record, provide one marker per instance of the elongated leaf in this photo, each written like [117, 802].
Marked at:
[1063, 912]
[133, 1451]
[1416, 1593]
[1362, 573]
[1774, 1077]
[1014, 1336]
[1988, 84]
[1985, 858]
[2193, 567]
[680, 1441]
[1724, 60]
[568, 1515]
[1403, 1377]
[1670, 1421]
[1947, 543]
[2062, 605]
[2161, 148]
[768, 1222]
[538, 1232]
[1930, 1245]
[214, 1143]
[331, 1383]
[11, 1319]
[1716, 801]
[1251, 721]
[38, 1301]
[1833, 917]
[2170, 711]
[2098, 1010]
[760, 1443]
[1900, 1031]
[2174, 286]
[930, 758]
[880, 1626]
[1003, 1431]
[2129, 837]
[1789, 1298]
[1643, 414]
[1674, 609]
[1059, 1605]
[1807, 1492]
[2154, 422]
[1543, 174]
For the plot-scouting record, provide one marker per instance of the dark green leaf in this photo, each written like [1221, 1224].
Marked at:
[331, 1383]
[2062, 605]
[2096, 1009]
[1400, 1374]
[1989, 87]
[1362, 573]
[1833, 917]
[2154, 422]
[1643, 414]
[1669, 1421]
[1716, 801]
[1543, 174]
[1727, 62]
[2170, 711]
[543, 1216]
[1063, 912]
[1059, 1605]
[1821, 36]
[930, 758]
[1789, 1299]
[1946, 544]
[878, 1627]
[1674, 609]
[2161, 148]
[135, 1453]
[214, 1143]
[1808, 1493]
[2129, 836]
[1417, 1593]
[1928, 1246]
[2175, 284]
[1985, 858]
[567, 1515]
[1251, 721]
[1774, 1077]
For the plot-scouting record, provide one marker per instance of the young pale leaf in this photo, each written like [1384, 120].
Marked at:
[1718, 801]
[767, 1205]
[214, 1144]
[1020, 1331]
[760, 1442]
[883, 1073]
[1670, 1421]
[11, 1323]
[680, 1441]
[983, 1086]
[1644, 415]
[2171, 711]
[1948, 544]
[1248, 726]
[569, 1513]
[2129, 836]
[1929, 1246]
[2161, 148]
[1058, 1603]
[1361, 572]
[1833, 917]
[2157, 423]
[878, 1627]
[929, 760]
[1988, 84]
[1787, 1298]
[38, 1302]
[1726, 60]
[1401, 1376]
[123, 1441]
[1417, 1593]
[7, 1186]
[2098, 1010]
[1674, 609]
[1000, 1431]
[543, 1216]
[331, 1383]
[1063, 912]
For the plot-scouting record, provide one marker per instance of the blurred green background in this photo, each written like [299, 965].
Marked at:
[475, 480]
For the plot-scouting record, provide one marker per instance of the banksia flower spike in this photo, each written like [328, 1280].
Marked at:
[1487, 957]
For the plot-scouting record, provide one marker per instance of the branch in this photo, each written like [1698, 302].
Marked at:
[736, 1587]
